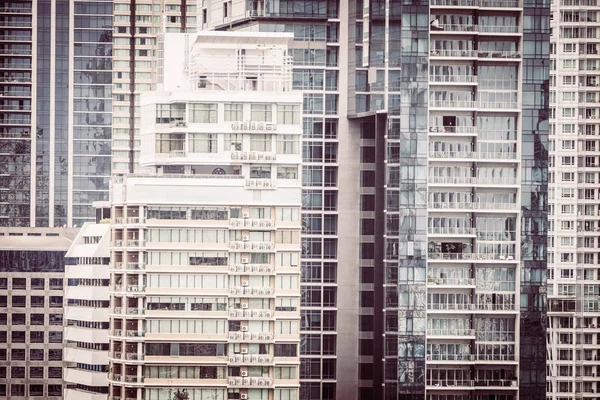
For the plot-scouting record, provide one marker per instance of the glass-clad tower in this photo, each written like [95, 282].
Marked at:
[55, 108]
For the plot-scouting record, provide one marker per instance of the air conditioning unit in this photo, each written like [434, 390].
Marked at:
[244, 351]
[246, 238]
[245, 261]
[244, 305]
[243, 396]
[246, 215]
[244, 329]
[245, 283]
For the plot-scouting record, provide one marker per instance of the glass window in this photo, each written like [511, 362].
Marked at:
[204, 113]
[234, 112]
[203, 143]
[261, 112]
[288, 114]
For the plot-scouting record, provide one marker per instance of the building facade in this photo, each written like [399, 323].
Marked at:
[447, 110]
[86, 310]
[31, 308]
[205, 251]
[573, 276]
[136, 28]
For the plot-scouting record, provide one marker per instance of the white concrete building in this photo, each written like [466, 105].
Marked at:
[574, 226]
[86, 310]
[205, 248]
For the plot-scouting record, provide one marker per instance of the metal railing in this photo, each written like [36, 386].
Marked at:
[453, 78]
[433, 281]
[451, 332]
[451, 230]
[471, 256]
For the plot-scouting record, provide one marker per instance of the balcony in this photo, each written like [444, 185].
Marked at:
[250, 223]
[135, 311]
[506, 55]
[433, 281]
[496, 307]
[250, 359]
[251, 291]
[135, 266]
[495, 357]
[251, 269]
[135, 243]
[135, 288]
[251, 337]
[134, 357]
[251, 246]
[245, 382]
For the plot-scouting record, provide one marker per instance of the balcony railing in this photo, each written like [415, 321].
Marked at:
[473, 155]
[134, 356]
[497, 383]
[451, 230]
[499, 54]
[135, 266]
[495, 357]
[499, 29]
[135, 311]
[450, 332]
[470, 180]
[473, 205]
[450, 357]
[464, 130]
[471, 256]
[455, 3]
[453, 53]
[450, 306]
[454, 28]
[432, 281]
[453, 78]
[453, 103]
[500, 3]
[450, 383]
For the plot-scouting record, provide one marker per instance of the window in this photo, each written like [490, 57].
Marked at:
[170, 142]
[261, 112]
[287, 213]
[233, 111]
[568, 176]
[287, 172]
[288, 114]
[288, 144]
[204, 113]
[287, 237]
[260, 142]
[286, 350]
[203, 143]
[260, 172]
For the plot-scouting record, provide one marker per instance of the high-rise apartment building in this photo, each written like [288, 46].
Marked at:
[573, 274]
[86, 310]
[55, 111]
[136, 28]
[205, 245]
[31, 311]
[441, 143]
